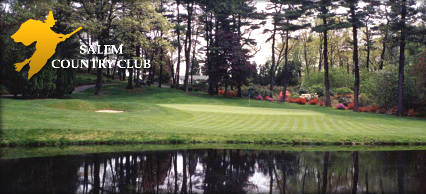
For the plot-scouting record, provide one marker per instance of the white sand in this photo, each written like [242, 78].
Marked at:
[110, 111]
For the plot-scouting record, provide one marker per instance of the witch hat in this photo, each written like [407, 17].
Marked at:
[50, 18]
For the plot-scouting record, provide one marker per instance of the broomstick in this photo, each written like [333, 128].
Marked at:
[20, 65]
[70, 34]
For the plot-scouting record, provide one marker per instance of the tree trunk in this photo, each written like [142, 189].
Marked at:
[193, 56]
[331, 55]
[272, 71]
[184, 189]
[400, 164]
[172, 69]
[175, 171]
[305, 52]
[401, 61]
[347, 65]
[160, 77]
[356, 173]
[89, 69]
[96, 174]
[188, 41]
[99, 77]
[355, 58]
[368, 47]
[285, 66]
[134, 72]
[130, 80]
[321, 53]
[209, 63]
[123, 72]
[179, 46]
[327, 84]
[324, 175]
[115, 68]
[382, 55]
[138, 72]
[151, 72]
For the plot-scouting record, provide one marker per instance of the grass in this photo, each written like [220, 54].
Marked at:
[29, 152]
[162, 115]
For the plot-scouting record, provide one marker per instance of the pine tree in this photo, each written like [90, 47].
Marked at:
[355, 15]
[293, 11]
[401, 13]
[328, 23]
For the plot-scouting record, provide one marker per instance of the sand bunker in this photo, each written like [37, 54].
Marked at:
[110, 111]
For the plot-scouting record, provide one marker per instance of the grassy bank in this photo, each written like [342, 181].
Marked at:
[29, 152]
[162, 115]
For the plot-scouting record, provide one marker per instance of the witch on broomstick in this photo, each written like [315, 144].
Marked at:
[47, 40]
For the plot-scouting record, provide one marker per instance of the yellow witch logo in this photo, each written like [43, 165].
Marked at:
[35, 30]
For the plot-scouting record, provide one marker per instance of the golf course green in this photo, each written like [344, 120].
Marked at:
[164, 116]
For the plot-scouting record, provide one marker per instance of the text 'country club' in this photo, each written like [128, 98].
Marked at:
[101, 63]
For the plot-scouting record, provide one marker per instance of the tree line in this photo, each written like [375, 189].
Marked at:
[306, 38]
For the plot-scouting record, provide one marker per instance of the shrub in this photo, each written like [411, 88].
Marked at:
[364, 109]
[338, 78]
[411, 113]
[345, 101]
[252, 91]
[373, 108]
[351, 106]
[259, 97]
[313, 101]
[382, 111]
[319, 91]
[303, 91]
[364, 100]
[301, 100]
[267, 92]
[287, 94]
[295, 95]
[341, 106]
[382, 86]
[200, 86]
[349, 96]
[221, 92]
[343, 91]
[257, 89]
[291, 100]
[269, 99]
[3, 90]
[321, 103]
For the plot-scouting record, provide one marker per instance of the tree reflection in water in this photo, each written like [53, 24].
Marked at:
[218, 171]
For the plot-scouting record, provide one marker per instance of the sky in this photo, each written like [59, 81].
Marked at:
[265, 47]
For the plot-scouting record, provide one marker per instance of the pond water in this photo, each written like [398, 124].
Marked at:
[218, 171]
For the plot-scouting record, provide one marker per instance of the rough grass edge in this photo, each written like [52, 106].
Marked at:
[176, 139]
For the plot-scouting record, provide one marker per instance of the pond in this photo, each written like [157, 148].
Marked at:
[218, 171]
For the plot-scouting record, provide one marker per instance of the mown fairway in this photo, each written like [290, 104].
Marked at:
[167, 116]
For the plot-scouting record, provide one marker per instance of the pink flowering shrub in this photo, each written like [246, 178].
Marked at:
[287, 94]
[341, 106]
[259, 97]
[269, 99]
